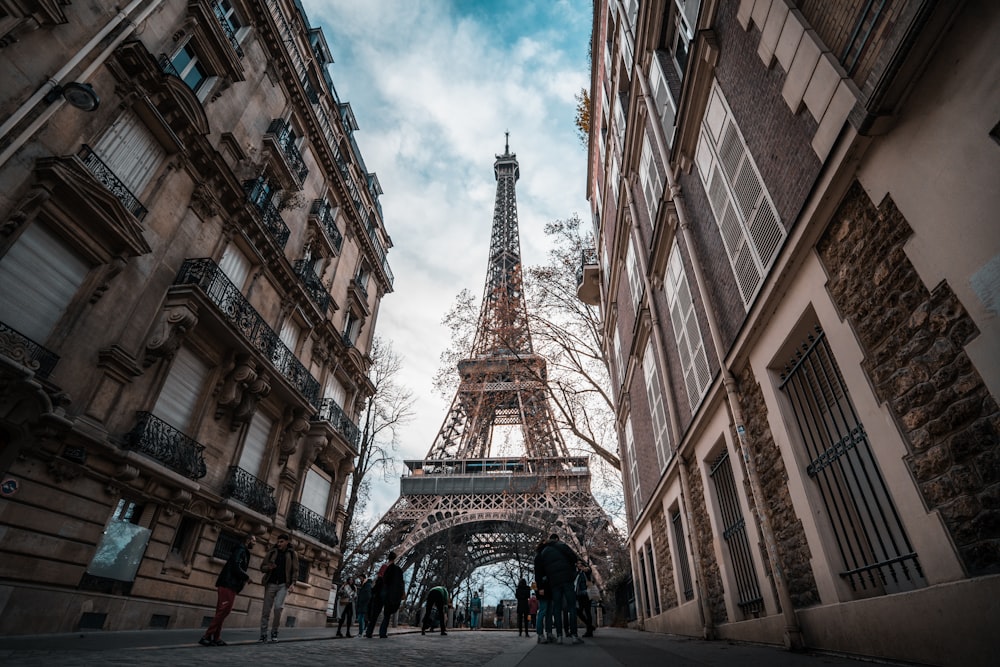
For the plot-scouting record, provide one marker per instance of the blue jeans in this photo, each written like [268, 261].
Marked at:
[564, 602]
[474, 623]
[543, 622]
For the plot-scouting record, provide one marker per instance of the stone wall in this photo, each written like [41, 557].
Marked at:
[664, 560]
[708, 567]
[793, 549]
[913, 341]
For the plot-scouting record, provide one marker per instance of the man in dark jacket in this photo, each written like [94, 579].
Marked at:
[559, 564]
[230, 581]
[281, 568]
[363, 603]
[391, 594]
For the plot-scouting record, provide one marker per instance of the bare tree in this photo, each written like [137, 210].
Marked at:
[388, 409]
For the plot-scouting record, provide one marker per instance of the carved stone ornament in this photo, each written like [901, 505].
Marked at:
[242, 389]
[169, 332]
[112, 269]
[296, 427]
[204, 202]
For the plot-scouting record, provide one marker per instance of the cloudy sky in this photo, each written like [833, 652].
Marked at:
[434, 85]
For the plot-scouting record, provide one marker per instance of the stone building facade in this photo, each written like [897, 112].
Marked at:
[797, 261]
[192, 258]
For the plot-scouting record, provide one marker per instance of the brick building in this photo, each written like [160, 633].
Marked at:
[795, 206]
[192, 257]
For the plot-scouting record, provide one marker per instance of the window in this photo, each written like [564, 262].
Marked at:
[633, 466]
[181, 392]
[875, 552]
[335, 391]
[316, 491]
[661, 431]
[645, 582]
[651, 178]
[687, 334]
[634, 277]
[681, 559]
[255, 444]
[191, 71]
[183, 537]
[734, 535]
[231, 19]
[32, 303]
[619, 359]
[290, 333]
[236, 266]
[746, 218]
[131, 152]
[654, 582]
[352, 327]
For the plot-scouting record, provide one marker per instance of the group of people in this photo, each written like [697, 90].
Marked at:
[561, 587]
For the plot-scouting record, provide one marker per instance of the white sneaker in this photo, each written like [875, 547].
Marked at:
[576, 640]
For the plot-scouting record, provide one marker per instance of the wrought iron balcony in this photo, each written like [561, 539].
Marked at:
[280, 133]
[329, 411]
[348, 340]
[314, 286]
[227, 28]
[237, 310]
[306, 521]
[323, 210]
[247, 489]
[360, 286]
[167, 65]
[111, 182]
[15, 345]
[159, 440]
[259, 194]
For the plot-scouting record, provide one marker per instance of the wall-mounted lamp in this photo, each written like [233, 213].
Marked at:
[79, 95]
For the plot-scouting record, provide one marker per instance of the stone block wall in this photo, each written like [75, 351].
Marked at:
[913, 339]
[793, 549]
[708, 567]
[664, 560]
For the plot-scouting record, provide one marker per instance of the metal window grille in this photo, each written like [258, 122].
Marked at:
[683, 566]
[225, 544]
[735, 536]
[655, 583]
[644, 592]
[876, 553]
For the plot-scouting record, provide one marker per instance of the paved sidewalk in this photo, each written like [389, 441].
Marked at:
[405, 647]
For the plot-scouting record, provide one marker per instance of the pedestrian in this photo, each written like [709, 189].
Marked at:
[499, 614]
[522, 593]
[460, 620]
[376, 604]
[543, 621]
[345, 598]
[532, 609]
[475, 609]
[438, 598]
[559, 563]
[391, 593]
[363, 603]
[281, 570]
[231, 580]
[583, 575]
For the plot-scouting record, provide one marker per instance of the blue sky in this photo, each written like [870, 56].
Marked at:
[434, 85]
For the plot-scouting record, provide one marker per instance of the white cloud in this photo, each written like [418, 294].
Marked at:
[434, 86]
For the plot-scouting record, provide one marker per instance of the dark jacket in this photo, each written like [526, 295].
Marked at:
[522, 593]
[291, 565]
[559, 563]
[234, 575]
[393, 588]
[365, 596]
[543, 592]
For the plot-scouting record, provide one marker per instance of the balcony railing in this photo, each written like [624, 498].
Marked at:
[15, 345]
[313, 284]
[323, 210]
[281, 132]
[159, 440]
[111, 182]
[227, 28]
[360, 287]
[329, 411]
[588, 257]
[260, 196]
[237, 310]
[306, 521]
[167, 65]
[247, 489]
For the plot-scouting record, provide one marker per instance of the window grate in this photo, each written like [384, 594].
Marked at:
[683, 566]
[735, 536]
[876, 554]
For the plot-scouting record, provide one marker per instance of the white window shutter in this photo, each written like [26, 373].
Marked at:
[182, 389]
[255, 445]
[316, 492]
[235, 265]
[32, 302]
[130, 151]
[290, 333]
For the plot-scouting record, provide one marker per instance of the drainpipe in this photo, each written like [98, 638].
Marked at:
[793, 633]
[57, 79]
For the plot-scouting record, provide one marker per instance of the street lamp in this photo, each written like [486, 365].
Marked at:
[79, 95]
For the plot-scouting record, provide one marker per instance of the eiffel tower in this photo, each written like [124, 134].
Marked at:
[463, 506]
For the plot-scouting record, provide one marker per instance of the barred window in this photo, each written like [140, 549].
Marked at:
[681, 558]
[875, 552]
[734, 534]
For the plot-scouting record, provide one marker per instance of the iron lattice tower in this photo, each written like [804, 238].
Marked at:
[463, 506]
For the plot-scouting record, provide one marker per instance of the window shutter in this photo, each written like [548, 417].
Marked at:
[290, 333]
[316, 492]
[33, 302]
[182, 389]
[235, 265]
[335, 390]
[255, 444]
[130, 151]
[654, 393]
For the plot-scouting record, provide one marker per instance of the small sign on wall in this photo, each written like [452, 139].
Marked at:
[9, 487]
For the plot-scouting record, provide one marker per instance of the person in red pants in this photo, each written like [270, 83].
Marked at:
[231, 581]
